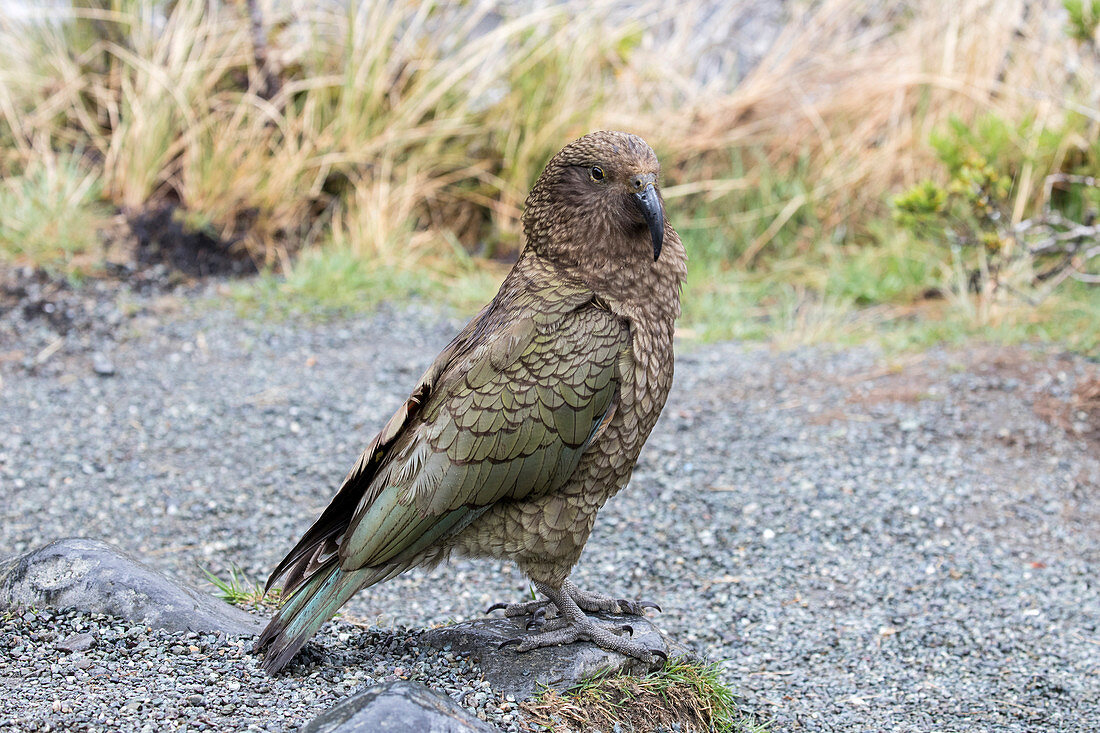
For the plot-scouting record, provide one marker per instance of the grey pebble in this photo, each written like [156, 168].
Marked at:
[101, 365]
[76, 642]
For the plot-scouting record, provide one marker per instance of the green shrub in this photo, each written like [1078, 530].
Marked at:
[1005, 231]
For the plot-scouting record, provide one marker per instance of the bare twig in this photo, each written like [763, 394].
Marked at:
[1052, 234]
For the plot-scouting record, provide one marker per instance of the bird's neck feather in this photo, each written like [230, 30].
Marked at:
[634, 286]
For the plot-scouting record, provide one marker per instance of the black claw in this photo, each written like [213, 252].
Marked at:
[636, 608]
[515, 642]
[661, 654]
[628, 629]
[496, 607]
[538, 618]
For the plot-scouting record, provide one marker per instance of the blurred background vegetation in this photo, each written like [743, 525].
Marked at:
[910, 172]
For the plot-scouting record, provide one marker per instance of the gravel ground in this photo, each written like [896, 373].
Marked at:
[870, 543]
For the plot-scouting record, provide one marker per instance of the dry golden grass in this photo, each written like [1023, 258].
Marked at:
[852, 91]
[396, 129]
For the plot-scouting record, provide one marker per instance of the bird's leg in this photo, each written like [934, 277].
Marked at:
[596, 602]
[572, 625]
[543, 609]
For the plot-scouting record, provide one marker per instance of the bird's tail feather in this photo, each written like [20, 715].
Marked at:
[311, 605]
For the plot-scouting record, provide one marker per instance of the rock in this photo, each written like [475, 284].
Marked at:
[75, 643]
[101, 365]
[93, 576]
[396, 707]
[560, 667]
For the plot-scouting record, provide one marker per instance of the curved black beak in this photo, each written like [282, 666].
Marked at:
[650, 204]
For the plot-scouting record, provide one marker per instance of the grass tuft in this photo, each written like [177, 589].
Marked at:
[329, 283]
[239, 590]
[689, 695]
[51, 214]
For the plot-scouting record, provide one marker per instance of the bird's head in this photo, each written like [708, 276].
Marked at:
[599, 192]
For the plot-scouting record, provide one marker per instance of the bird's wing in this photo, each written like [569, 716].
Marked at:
[505, 412]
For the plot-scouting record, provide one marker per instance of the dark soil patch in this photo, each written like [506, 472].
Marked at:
[150, 253]
[163, 240]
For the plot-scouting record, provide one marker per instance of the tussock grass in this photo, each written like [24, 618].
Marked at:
[842, 111]
[392, 123]
[404, 136]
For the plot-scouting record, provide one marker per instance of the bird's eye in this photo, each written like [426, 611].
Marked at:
[597, 173]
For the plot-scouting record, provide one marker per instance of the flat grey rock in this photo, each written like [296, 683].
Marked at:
[560, 667]
[93, 576]
[75, 643]
[397, 707]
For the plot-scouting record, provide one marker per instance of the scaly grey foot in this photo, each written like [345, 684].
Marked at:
[541, 610]
[596, 602]
[572, 625]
